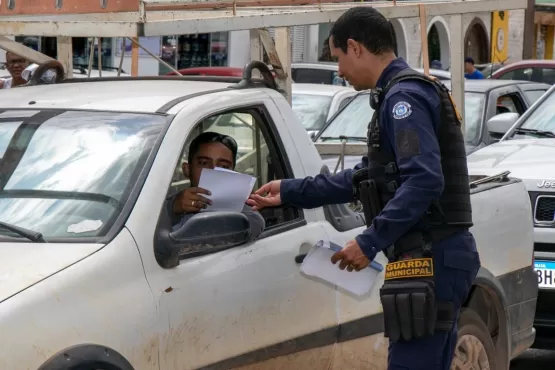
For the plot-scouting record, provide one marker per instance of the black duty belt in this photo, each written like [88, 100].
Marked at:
[414, 241]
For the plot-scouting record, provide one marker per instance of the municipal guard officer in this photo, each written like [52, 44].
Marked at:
[416, 167]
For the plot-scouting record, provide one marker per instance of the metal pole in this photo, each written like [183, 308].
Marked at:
[99, 48]
[122, 55]
[91, 56]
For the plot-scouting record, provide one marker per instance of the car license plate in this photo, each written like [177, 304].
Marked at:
[546, 273]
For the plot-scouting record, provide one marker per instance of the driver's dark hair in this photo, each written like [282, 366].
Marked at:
[366, 25]
[212, 137]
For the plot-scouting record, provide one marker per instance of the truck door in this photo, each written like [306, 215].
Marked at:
[246, 304]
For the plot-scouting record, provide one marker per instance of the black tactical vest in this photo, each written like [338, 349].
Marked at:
[450, 213]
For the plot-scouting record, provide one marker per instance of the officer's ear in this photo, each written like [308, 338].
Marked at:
[185, 168]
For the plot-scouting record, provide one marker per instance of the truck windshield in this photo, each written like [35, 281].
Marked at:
[67, 174]
[353, 120]
[312, 110]
[543, 117]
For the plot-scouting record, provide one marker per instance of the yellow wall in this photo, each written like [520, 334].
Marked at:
[499, 23]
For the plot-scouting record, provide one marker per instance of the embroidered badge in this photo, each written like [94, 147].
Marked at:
[401, 110]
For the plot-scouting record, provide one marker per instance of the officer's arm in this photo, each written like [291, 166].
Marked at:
[313, 192]
[414, 141]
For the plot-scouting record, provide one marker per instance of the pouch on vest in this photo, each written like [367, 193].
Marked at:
[409, 300]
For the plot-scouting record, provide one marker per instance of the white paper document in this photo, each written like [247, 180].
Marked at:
[317, 263]
[229, 189]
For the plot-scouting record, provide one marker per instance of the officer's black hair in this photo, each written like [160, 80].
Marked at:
[212, 137]
[366, 25]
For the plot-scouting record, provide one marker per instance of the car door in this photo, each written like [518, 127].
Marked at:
[243, 304]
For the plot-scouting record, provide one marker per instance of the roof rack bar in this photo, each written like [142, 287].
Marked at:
[160, 23]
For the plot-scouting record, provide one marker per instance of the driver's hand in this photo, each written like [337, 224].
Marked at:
[191, 200]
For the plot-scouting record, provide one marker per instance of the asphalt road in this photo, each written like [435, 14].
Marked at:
[534, 359]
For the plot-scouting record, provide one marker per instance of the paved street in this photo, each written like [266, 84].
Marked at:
[535, 360]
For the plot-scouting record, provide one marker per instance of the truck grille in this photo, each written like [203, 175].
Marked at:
[544, 211]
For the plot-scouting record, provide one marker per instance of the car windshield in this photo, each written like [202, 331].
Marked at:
[67, 174]
[354, 119]
[312, 110]
[543, 117]
[473, 108]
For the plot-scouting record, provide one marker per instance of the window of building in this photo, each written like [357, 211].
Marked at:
[81, 49]
[189, 51]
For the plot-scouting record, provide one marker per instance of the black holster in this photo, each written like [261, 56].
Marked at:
[409, 308]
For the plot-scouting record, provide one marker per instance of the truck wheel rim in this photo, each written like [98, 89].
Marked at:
[470, 354]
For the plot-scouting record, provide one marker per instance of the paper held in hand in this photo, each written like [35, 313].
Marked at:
[317, 263]
[229, 189]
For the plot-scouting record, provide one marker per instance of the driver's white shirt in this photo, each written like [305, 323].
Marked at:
[7, 83]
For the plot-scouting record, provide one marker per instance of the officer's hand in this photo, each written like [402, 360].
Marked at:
[272, 199]
[351, 256]
[190, 200]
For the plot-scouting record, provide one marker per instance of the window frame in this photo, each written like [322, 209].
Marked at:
[276, 149]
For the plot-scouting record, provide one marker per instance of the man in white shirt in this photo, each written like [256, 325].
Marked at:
[15, 65]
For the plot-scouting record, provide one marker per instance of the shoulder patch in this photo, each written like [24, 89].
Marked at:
[402, 110]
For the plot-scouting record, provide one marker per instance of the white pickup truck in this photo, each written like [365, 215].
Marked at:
[92, 276]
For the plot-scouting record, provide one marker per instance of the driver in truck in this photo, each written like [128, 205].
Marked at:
[208, 150]
[414, 182]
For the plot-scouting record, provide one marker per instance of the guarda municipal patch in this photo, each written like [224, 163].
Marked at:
[401, 110]
[415, 268]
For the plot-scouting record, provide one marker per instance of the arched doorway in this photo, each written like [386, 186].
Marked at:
[400, 37]
[476, 42]
[438, 42]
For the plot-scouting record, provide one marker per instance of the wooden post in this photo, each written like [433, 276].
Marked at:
[283, 48]
[457, 64]
[134, 57]
[256, 49]
[424, 39]
[65, 54]
[279, 55]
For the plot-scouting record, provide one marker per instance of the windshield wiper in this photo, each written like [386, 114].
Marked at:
[342, 137]
[33, 236]
[535, 132]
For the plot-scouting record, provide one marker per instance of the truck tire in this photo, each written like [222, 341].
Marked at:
[474, 349]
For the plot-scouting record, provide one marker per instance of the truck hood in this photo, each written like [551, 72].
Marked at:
[526, 159]
[25, 264]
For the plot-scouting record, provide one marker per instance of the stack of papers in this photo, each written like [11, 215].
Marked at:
[317, 263]
[230, 190]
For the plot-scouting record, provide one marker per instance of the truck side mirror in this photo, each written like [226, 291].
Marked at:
[499, 124]
[209, 232]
